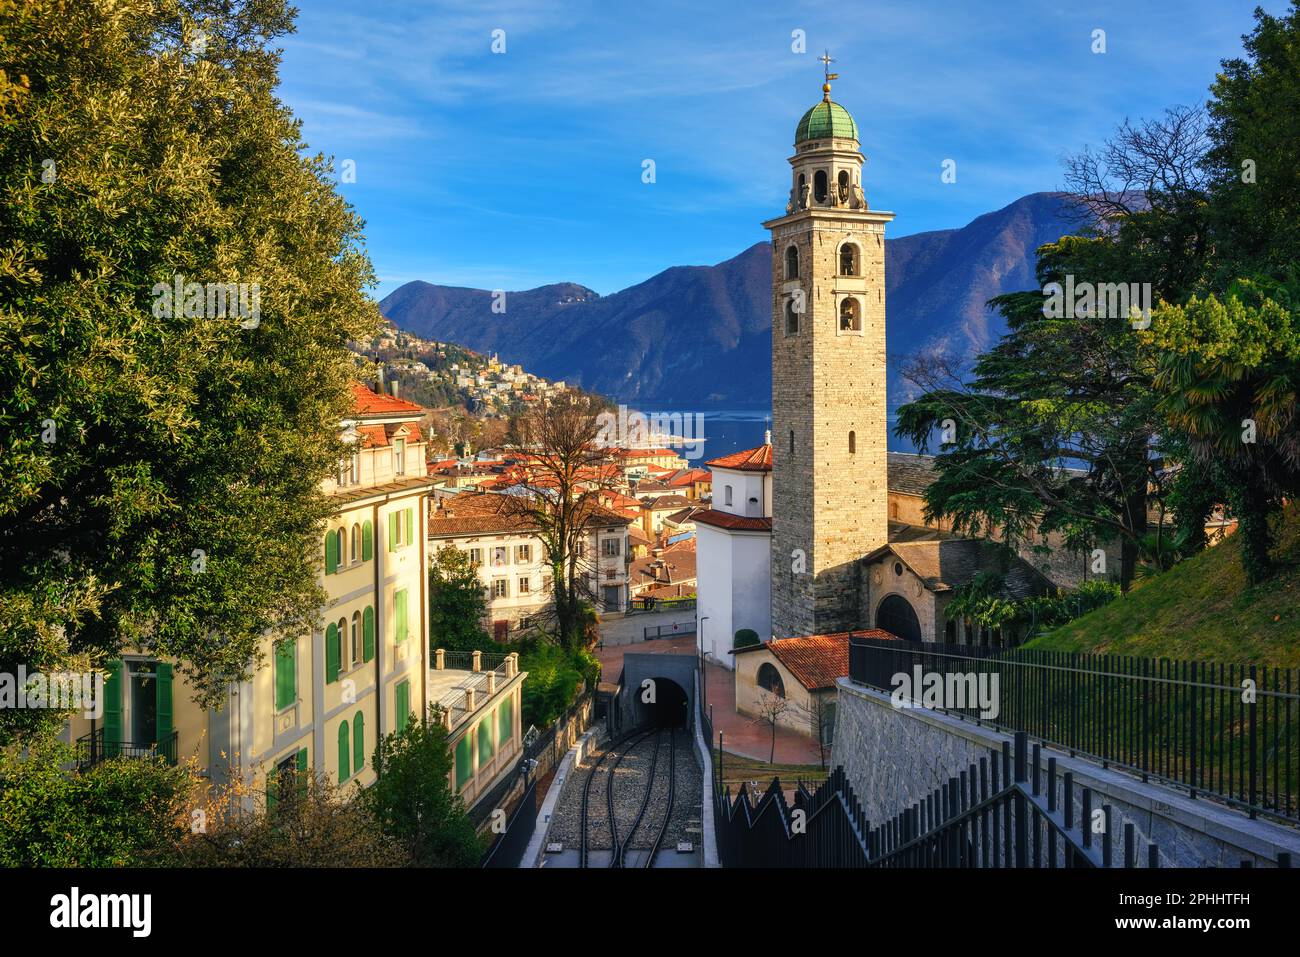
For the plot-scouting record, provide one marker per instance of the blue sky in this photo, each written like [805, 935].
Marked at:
[511, 170]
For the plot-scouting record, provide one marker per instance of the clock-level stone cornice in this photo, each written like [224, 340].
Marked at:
[827, 216]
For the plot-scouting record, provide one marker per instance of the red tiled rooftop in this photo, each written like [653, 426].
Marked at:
[750, 460]
[740, 523]
[815, 660]
[366, 401]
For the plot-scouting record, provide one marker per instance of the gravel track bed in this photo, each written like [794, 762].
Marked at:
[629, 791]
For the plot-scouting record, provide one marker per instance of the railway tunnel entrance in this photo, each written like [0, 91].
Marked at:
[657, 691]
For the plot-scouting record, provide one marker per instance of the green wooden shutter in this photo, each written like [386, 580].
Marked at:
[399, 614]
[331, 553]
[303, 771]
[345, 752]
[113, 709]
[332, 654]
[272, 789]
[359, 742]
[505, 721]
[403, 706]
[368, 630]
[485, 741]
[392, 531]
[367, 541]
[286, 673]
[464, 760]
[410, 525]
[165, 722]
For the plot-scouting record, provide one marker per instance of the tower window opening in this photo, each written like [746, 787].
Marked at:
[819, 186]
[844, 185]
[792, 441]
[848, 260]
[850, 316]
[853, 442]
[791, 319]
[792, 263]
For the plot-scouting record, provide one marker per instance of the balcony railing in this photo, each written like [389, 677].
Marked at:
[92, 748]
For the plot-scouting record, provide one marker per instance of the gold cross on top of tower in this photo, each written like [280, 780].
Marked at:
[827, 59]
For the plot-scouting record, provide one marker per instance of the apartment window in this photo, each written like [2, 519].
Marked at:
[344, 647]
[401, 528]
[355, 554]
[500, 588]
[523, 585]
[341, 476]
[523, 554]
[610, 548]
[582, 548]
[356, 468]
[476, 557]
[399, 456]
[356, 637]
[726, 495]
[500, 556]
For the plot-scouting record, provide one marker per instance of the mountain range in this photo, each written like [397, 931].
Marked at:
[698, 337]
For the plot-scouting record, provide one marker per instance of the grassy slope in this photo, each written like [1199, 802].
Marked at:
[1201, 609]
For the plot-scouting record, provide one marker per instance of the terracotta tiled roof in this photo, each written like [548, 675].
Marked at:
[750, 460]
[366, 401]
[815, 660]
[740, 523]
[478, 513]
[687, 477]
[666, 501]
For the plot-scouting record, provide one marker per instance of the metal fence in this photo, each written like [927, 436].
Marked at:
[670, 631]
[92, 748]
[642, 605]
[1230, 731]
[1004, 811]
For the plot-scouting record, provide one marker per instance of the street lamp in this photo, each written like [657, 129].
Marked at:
[701, 629]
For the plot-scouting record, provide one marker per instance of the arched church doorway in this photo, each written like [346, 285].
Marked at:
[896, 616]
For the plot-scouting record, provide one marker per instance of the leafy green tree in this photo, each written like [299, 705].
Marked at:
[1055, 431]
[413, 801]
[124, 812]
[744, 638]
[1229, 375]
[457, 602]
[163, 460]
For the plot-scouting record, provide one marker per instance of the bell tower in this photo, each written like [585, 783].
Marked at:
[830, 473]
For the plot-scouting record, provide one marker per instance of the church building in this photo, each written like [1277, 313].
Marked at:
[837, 561]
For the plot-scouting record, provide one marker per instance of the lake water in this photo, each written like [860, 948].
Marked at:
[728, 430]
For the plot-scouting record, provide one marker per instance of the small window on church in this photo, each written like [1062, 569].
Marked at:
[792, 263]
[850, 316]
[819, 186]
[848, 260]
[726, 498]
[853, 442]
[791, 319]
[792, 441]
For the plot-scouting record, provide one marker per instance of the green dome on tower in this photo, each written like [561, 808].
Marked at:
[825, 120]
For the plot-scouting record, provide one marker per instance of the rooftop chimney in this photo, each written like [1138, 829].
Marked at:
[393, 387]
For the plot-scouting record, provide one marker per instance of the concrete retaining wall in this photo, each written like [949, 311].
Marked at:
[895, 757]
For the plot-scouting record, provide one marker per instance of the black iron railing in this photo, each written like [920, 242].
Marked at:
[1228, 731]
[994, 814]
[92, 748]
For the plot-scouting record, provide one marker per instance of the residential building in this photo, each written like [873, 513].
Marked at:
[321, 701]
